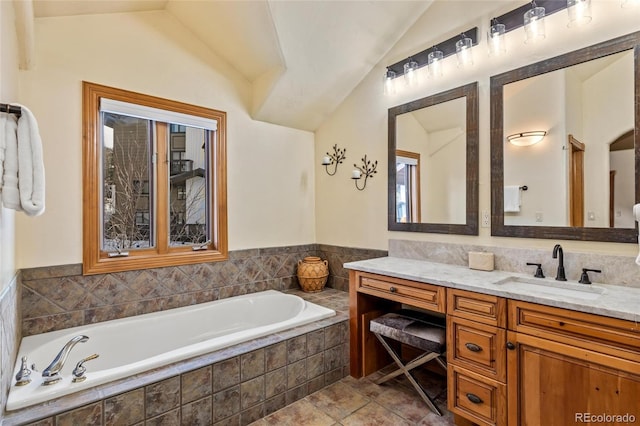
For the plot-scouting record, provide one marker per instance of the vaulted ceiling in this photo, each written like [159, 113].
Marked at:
[302, 58]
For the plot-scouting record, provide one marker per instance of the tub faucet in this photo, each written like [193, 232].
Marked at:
[559, 254]
[51, 374]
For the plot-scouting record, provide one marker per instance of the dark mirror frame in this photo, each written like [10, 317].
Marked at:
[470, 92]
[498, 228]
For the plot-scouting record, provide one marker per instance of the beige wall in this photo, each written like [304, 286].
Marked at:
[8, 93]
[270, 168]
[349, 217]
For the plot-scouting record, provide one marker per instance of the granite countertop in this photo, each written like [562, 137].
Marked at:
[601, 299]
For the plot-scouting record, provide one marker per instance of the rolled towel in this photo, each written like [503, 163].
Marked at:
[3, 124]
[10, 194]
[31, 164]
[636, 215]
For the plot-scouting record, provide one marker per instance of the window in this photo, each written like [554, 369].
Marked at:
[154, 182]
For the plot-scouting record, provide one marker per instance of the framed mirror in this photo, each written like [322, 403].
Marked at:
[433, 163]
[576, 179]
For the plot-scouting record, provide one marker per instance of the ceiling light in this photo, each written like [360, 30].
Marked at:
[526, 138]
[534, 24]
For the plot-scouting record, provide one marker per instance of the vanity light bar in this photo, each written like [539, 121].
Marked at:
[448, 48]
[514, 19]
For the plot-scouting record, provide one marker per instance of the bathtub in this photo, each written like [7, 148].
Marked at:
[132, 345]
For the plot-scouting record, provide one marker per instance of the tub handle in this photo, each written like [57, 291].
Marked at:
[78, 372]
[23, 376]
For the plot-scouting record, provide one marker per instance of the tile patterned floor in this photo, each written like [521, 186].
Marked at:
[352, 402]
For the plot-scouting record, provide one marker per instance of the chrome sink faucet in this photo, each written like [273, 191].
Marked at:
[51, 374]
[559, 254]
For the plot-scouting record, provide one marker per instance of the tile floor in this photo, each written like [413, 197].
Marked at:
[351, 402]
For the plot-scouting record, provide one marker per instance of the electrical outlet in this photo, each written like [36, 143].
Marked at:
[486, 219]
[591, 215]
[539, 217]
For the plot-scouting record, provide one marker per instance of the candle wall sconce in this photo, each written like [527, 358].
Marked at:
[334, 159]
[367, 170]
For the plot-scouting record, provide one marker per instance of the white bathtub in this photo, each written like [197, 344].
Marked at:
[132, 345]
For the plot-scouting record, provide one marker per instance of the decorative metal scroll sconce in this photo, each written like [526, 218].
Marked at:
[368, 169]
[334, 159]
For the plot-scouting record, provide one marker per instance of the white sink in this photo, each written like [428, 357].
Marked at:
[547, 287]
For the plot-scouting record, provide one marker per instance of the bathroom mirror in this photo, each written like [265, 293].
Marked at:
[578, 182]
[433, 163]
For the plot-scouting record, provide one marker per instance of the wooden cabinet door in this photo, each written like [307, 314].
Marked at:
[554, 384]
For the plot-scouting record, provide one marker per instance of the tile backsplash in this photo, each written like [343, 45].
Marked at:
[58, 297]
[616, 269]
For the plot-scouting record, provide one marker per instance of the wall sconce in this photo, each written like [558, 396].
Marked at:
[495, 39]
[388, 87]
[434, 60]
[463, 51]
[410, 73]
[368, 169]
[531, 16]
[432, 57]
[579, 12]
[526, 138]
[334, 159]
[534, 23]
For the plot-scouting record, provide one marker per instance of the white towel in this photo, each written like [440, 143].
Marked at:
[10, 194]
[512, 199]
[636, 215]
[31, 164]
[3, 125]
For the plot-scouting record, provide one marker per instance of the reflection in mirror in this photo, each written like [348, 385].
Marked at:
[584, 108]
[581, 177]
[433, 165]
[438, 135]
[407, 186]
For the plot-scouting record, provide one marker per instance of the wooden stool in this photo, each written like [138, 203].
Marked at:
[414, 329]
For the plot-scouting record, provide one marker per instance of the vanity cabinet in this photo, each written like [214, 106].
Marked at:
[564, 366]
[511, 362]
[476, 357]
[372, 295]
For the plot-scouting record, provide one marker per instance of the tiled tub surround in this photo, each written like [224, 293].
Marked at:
[129, 346]
[58, 297]
[236, 385]
[9, 336]
[617, 270]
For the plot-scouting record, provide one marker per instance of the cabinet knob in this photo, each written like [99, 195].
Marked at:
[474, 398]
[473, 347]
[393, 289]
[510, 346]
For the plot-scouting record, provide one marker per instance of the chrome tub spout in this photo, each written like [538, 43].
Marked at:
[51, 374]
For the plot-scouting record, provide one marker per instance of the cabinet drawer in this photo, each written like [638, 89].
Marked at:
[483, 308]
[611, 336]
[404, 291]
[475, 397]
[477, 347]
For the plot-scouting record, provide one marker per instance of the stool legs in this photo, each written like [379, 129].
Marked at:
[405, 369]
